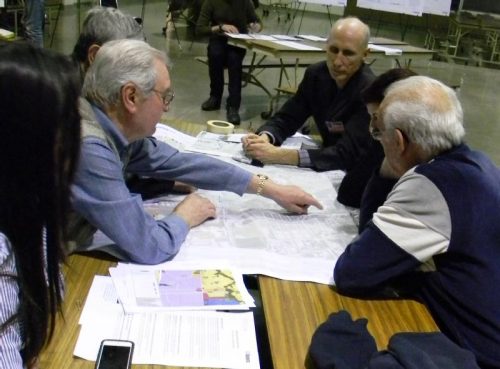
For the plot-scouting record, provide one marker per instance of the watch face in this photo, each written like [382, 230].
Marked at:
[262, 180]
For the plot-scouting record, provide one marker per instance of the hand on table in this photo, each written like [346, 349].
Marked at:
[195, 209]
[258, 147]
[292, 198]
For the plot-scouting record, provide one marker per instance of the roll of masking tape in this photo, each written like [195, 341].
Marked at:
[220, 127]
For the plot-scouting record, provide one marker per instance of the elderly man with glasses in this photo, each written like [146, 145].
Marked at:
[435, 235]
[126, 89]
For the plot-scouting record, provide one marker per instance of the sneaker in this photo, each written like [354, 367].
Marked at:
[233, 116]
[212, 103]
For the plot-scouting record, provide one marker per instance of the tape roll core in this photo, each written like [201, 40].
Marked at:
[220, 127]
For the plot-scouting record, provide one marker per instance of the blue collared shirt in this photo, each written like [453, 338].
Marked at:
[101, 196]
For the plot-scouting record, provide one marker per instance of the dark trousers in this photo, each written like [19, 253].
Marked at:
[221, 55]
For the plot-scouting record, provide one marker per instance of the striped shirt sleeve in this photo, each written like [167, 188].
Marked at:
[10, 337]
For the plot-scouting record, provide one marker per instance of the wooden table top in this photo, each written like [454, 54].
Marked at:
[294, 310]
[79, 273]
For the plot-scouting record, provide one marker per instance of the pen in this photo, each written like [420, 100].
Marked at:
[257, 163]
[245, 160]
[242, 159]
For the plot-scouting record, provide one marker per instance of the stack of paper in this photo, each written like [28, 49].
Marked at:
[255, 36]
[230, 145]
[143, 288]
[173, 137]
[298, 46]
[250, 36]
[217, 144]
[163, 335]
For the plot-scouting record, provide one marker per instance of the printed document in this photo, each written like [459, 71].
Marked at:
[216, 144]
[176, 338]
[229, 146]
[143, 288]
[173, 137]
[257, 236]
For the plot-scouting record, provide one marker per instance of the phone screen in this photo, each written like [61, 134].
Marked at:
[114, 356]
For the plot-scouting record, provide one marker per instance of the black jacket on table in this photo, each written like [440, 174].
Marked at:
[344, 343]
[318, 96]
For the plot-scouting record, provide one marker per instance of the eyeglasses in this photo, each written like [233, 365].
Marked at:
[375, 132]
[166, 96]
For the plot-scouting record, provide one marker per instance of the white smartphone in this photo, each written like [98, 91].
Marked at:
[115, 354]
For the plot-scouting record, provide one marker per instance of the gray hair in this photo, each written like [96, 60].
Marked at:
[353, 22]
[427, 111]
[104, 24]
[117, 63]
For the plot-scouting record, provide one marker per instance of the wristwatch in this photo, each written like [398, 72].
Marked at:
[262, 181]
[220, 28]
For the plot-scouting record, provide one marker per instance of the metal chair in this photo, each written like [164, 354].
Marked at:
[176, 11]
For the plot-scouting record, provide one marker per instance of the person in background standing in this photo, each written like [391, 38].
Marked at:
[33, 21]
[218, 17]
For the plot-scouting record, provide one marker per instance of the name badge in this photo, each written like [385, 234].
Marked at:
[334, 127]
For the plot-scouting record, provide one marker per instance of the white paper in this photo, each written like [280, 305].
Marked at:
[297, 45]
[215, 144]
[250, 36]
[235, 137]
[285, 38]
[411, 7]
[299, 141]
[6, 34]
[438, 7]
[386, 50]
[258, 237]
[313, 38]
[172, 136]
[256, 36]
[242, 36]
[102, 300]
[139, 288]
[326, 2]
[176, 338]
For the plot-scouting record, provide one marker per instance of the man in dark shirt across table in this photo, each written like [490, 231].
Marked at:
[330, 93]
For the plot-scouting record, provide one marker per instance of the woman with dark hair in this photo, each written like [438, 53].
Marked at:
[39, 146]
